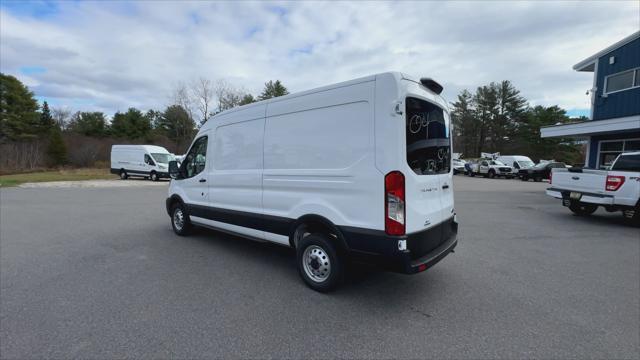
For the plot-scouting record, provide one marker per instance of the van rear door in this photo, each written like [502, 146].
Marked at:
[428, 184]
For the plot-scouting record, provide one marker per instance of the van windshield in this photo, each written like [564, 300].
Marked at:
[428, 142]
[526, 164]
[162, 158]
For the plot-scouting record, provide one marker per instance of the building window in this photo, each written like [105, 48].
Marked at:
[610, 149]
[625, 80]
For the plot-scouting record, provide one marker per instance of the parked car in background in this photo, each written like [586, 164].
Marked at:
[271, 171]
[540, 171]
[458, 166]
[583, 190]
[517, 162]
[491, 168]
[148, 161]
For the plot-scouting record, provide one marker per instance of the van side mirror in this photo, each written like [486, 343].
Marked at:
[174, 170]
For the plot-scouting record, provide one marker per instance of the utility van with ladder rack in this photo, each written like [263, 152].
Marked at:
[358, 170]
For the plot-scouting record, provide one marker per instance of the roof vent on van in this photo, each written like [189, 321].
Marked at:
[432, 85]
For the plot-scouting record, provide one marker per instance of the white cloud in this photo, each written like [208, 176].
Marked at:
[112, 55]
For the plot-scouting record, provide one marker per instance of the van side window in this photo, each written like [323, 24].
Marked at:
[196, 159]
[148, 160]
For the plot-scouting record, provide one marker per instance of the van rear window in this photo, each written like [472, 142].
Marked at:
[428, 142]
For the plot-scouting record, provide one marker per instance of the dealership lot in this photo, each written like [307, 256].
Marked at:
[97, 272]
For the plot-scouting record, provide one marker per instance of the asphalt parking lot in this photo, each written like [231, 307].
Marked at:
[98, 273]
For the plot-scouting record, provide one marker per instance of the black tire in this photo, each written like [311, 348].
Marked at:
[634, 219]
[186, 226]
[472, 174]
[153, 176]
[524, 178]
[582, 209]
[123, 175]
[492, 174]
[320, 254]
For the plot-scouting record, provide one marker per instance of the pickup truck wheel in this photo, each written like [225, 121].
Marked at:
[492, 174]
[319, 263]
[180, 220]
[632, 216]
[582, 209]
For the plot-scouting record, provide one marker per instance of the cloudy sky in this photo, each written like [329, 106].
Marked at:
[111, 55]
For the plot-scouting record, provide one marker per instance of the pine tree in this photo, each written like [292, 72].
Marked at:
[273, 89]
[57, 149]
[18, 110]
[46, 120]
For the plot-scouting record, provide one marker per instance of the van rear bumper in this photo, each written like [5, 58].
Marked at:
[424, 248]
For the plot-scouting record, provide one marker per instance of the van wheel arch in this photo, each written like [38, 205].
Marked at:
[309, 224]
[174, 199]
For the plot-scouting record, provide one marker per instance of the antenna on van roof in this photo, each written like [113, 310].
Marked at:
[432, 85]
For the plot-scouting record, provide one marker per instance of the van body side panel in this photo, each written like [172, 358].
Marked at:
[319, 158]
[235, 175]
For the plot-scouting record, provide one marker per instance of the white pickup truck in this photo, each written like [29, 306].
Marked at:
[617, 189]
[491, 168]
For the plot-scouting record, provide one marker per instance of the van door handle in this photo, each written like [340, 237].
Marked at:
[202, 180]
[445, 186]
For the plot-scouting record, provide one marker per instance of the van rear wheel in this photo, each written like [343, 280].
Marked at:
[123, 175]
[180, 220]
[319, 263]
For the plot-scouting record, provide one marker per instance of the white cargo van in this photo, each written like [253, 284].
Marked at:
[517, 162]
[359, 169]
[147, 161]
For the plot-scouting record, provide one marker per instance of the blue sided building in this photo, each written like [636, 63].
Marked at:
[614, 125]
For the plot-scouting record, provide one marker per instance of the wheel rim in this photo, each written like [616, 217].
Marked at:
[178, 219]
[316, 263]
[123, 175]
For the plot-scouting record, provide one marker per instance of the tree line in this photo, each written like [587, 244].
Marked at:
[497, 118]
[33, 136]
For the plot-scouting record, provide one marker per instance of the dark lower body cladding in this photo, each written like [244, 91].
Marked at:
[423, 249]
[161, 175]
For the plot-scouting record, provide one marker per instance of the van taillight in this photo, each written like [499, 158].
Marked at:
[614, 182]
[394, 203]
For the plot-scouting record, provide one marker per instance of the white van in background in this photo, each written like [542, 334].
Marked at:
[517, 162]
[147, 161]
[359, 169]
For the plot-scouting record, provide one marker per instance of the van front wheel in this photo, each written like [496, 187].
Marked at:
[319, 263]
[153, 176]
[180, 220]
